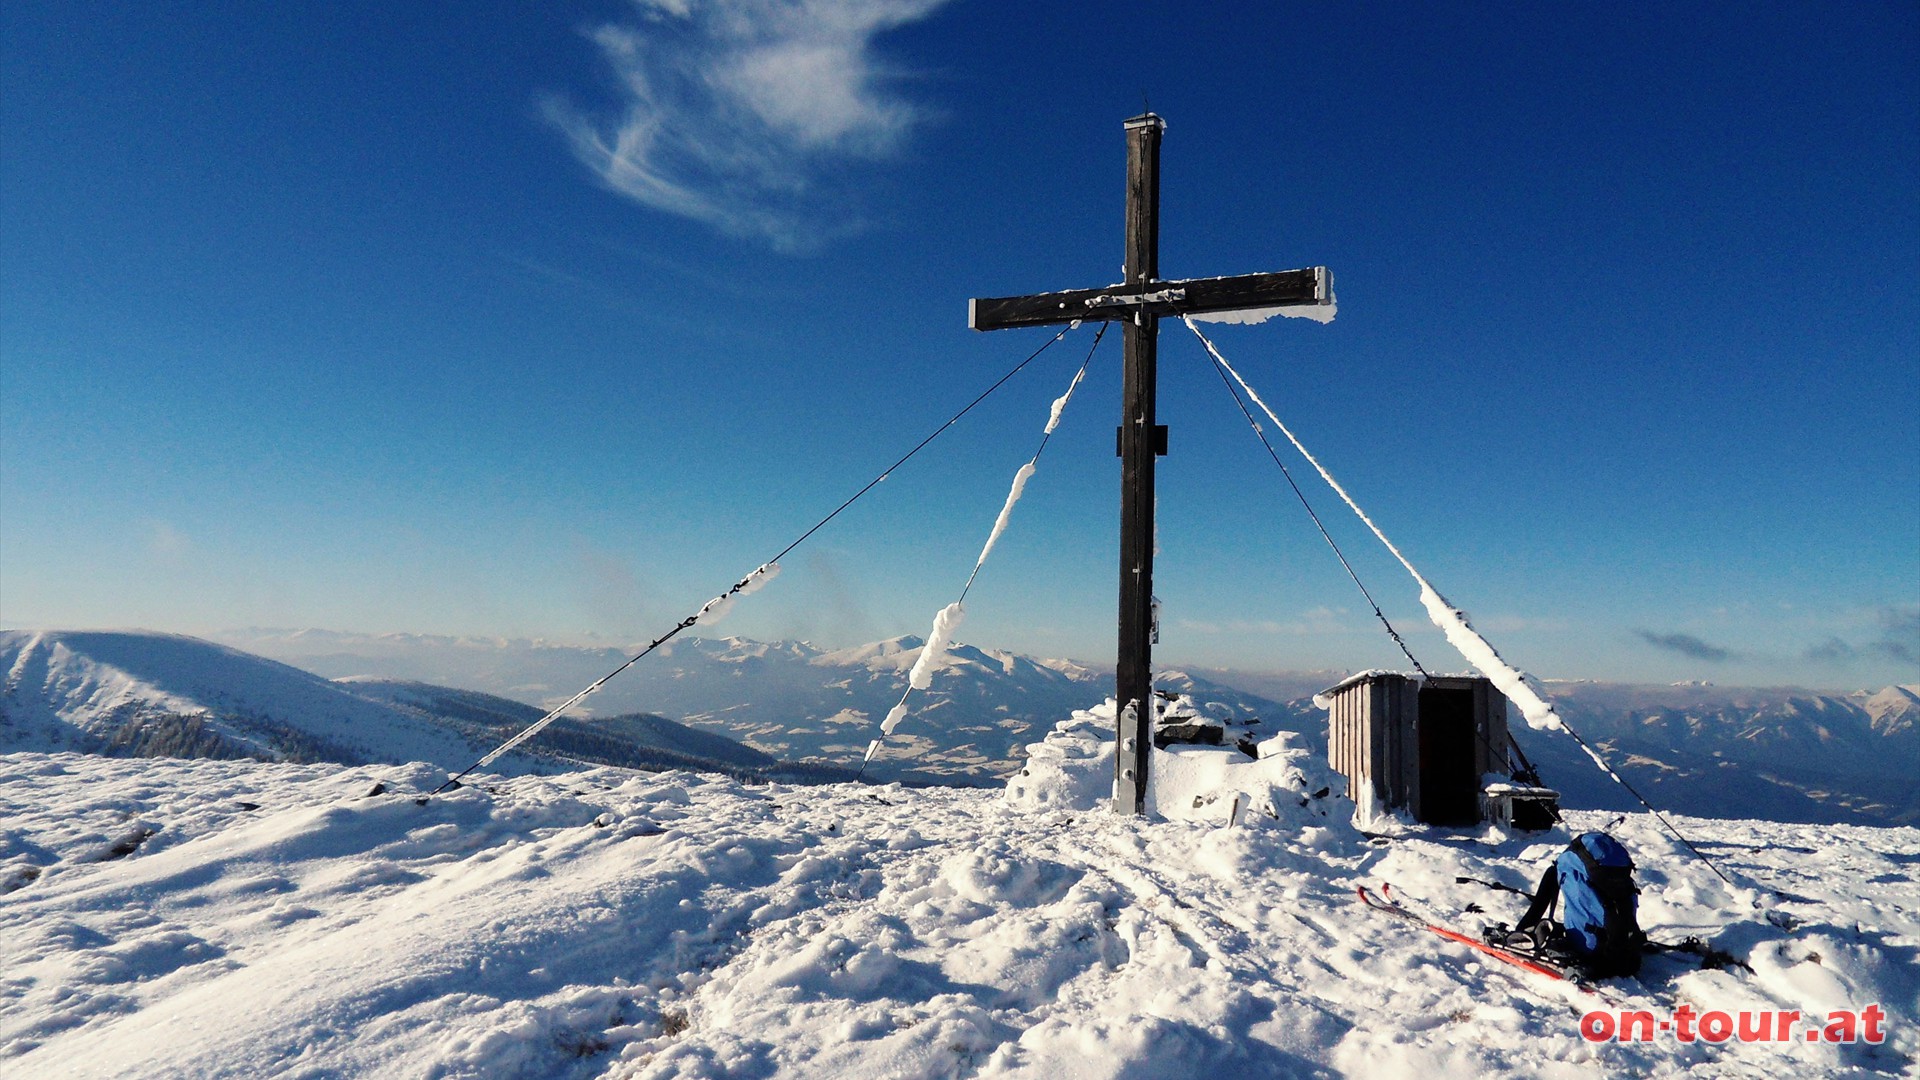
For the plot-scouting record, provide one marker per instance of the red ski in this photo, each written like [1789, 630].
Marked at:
[1380, 903]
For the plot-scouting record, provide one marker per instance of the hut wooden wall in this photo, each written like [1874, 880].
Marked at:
[1370, 737]
[1373, 737]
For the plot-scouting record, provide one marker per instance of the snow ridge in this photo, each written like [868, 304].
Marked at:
[144, 695]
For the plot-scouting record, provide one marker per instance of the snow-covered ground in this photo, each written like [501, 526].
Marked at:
[224, 918]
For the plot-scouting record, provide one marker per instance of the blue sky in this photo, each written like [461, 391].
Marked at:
[552, 320]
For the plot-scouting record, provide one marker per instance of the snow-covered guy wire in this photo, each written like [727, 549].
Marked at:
[1453, 622]
[1260, 433]
[948, 618]
[711, 612]
[1308, 507]
[1450, 620]
[1026, 471]
[717, 607]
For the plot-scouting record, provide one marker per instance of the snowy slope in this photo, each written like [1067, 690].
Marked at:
[1895, 710]
[275, 921]
[145, 694]
[148, 693]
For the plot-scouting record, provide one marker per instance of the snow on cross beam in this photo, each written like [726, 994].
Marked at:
[1312, 287]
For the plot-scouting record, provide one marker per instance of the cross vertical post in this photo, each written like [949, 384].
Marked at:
[1140, 302]
[1133, 672]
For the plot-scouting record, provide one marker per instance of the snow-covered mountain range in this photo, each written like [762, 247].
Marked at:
[146, 695]
[734, 704]
[1781, 754]
[1784, 754]
[158, 694]
[788, 698]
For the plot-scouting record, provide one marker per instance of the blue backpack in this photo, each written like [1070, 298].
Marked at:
[1601, 928]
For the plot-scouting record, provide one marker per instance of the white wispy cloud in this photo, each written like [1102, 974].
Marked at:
[1319, 621]
[166, 542]
[743, 113]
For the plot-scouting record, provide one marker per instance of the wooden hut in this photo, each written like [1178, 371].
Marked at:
[1424, 745]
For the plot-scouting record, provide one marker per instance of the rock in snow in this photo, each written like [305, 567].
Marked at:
[227, 918]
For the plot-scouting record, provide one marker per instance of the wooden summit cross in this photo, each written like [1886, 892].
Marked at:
[1138, 304]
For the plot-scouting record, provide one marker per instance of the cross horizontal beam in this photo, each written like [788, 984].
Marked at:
[1245, 292]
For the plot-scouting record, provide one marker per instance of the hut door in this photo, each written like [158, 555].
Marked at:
[1449, 788]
